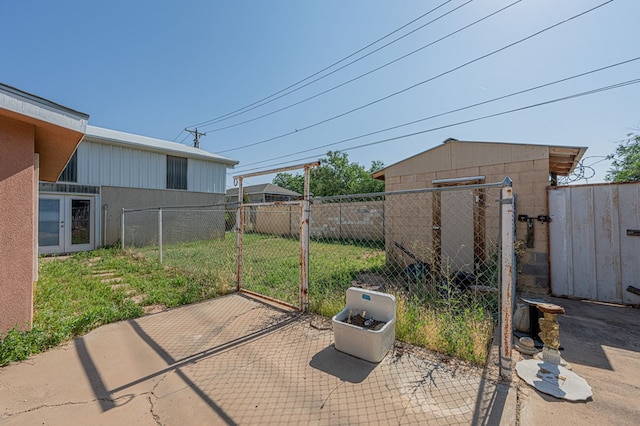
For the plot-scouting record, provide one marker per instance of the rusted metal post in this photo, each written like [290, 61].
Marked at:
[122, 230]
[160, 234]
[508, 277]
[239, 231]
[305, 207]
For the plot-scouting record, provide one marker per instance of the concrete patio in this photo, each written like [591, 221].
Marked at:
[238, 360]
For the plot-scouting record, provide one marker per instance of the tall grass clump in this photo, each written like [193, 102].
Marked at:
[459, 330]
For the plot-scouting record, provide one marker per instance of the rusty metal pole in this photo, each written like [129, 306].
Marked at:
[160, 234]
[508, 277]
[122, 230]
[239, 231]
[304, 244]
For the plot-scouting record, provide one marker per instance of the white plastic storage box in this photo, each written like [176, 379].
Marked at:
[369, 344]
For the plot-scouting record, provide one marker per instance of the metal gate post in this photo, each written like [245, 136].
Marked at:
[239, 231]
[122, 230]
[508, 278]
[304, 245]
[160, 234]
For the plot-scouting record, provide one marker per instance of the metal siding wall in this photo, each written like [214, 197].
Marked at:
[607, 240]
[203, 176]
[592, 256]
[583, 243]
[629, 198]
[106, 162]
[559, 247]
[110, 165]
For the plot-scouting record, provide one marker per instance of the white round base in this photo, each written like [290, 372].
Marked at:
[554, 380]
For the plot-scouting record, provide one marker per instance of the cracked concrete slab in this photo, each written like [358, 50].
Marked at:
[601, 341]
[237, 360]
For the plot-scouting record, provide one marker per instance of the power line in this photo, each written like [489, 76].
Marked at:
[484, 117]
[370, 71]
[454, 110]
[339, 69]
[225, 116]
[417, 84]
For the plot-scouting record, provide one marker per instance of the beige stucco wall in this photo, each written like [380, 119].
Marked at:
[526, 165]
[17, 223]
[191, 225]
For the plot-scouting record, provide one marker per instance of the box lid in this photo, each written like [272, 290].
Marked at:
[380, 306]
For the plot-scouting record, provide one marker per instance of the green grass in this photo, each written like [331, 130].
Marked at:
[70, 300]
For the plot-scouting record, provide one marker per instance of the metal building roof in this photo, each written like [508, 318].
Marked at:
[114, 137]
[267, 188]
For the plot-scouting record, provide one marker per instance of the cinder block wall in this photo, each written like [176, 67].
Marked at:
[526, 165]
[177, 226]
[363, 220]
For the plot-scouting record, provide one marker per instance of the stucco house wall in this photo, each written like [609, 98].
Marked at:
[17, 246]
[37, 138]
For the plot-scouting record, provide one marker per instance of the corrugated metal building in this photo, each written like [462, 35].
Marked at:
[112, 170]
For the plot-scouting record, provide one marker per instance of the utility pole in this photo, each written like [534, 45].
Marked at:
[196, 134]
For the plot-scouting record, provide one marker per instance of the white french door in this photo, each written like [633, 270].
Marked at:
[65, 223]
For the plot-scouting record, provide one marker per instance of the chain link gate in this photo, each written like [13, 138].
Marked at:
[269, 250]
[273, 246]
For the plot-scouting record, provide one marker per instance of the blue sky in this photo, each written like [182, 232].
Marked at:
[154, 68]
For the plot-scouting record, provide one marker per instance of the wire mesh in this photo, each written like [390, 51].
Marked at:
[140, 230]
[436, 250]
[271, 251]
[198, 241]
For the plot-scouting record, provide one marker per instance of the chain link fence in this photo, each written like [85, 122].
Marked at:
[196, 240]
[436, 250]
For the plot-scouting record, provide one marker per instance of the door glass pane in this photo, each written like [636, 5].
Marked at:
[49, 222]
[80, 221]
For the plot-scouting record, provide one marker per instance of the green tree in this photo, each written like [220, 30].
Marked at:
[625, 166]
[289, 181]
[335, 176]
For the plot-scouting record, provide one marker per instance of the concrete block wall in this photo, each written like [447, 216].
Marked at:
[350, 220]
[528, 168]
[180, 226]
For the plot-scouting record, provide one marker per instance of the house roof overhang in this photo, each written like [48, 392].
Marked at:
[564, 159]
[57, 129]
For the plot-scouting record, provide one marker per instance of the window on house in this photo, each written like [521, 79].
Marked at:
[176, 172]
[70, 172]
